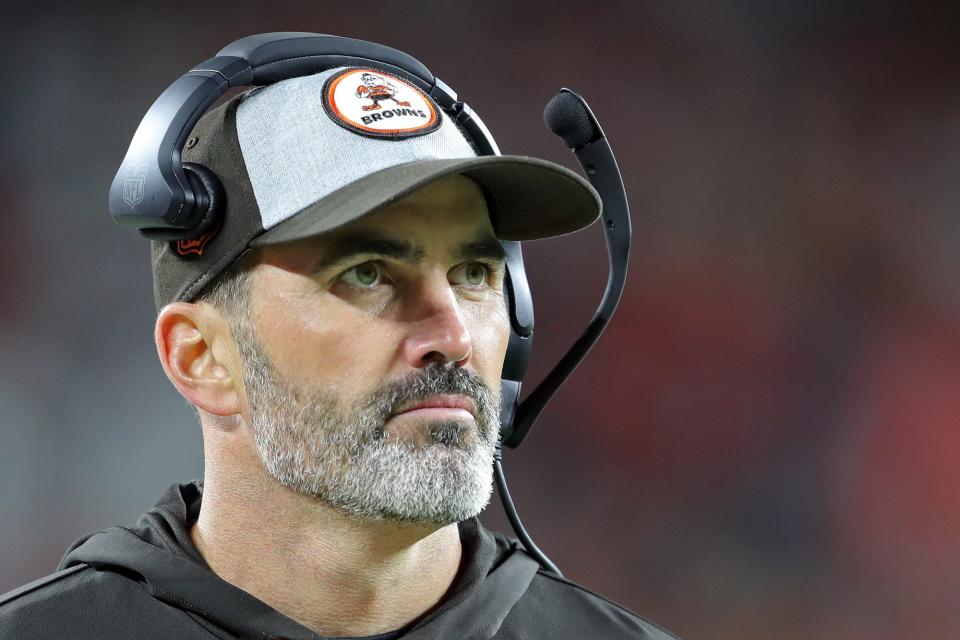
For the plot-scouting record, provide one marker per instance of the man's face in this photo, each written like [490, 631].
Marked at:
[373, 355]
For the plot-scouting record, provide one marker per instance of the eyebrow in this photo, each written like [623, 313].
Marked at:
[365, 244]
[487, 248]
[359, 244]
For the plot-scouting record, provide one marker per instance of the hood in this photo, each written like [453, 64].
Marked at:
[158, 552]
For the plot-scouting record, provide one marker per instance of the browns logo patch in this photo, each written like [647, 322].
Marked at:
[378, 104]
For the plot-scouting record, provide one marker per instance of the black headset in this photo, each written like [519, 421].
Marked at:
[184, 200]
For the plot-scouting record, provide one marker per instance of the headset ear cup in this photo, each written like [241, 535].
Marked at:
[210, 197]
[518, 351]
[520, 307]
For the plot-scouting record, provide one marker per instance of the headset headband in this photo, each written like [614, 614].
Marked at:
[170, 204]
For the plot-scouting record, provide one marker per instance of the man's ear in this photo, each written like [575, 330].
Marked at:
[199, 357]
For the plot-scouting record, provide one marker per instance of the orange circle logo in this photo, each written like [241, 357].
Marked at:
[379, 104]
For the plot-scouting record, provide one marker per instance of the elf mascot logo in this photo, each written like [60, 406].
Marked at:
[377, 88]
[378, 104]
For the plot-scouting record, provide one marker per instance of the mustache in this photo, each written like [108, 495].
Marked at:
[436, 379]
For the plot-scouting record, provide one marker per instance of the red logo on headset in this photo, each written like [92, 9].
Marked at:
[195, 246]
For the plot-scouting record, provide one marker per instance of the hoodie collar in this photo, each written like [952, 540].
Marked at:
[159, 550]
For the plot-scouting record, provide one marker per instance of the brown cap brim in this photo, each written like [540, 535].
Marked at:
[530, 198]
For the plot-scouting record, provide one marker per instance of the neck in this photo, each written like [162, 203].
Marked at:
[336, 575]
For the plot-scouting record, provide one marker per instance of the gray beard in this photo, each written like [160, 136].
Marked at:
[315, 444]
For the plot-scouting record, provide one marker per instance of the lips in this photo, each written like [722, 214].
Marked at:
[443, 401]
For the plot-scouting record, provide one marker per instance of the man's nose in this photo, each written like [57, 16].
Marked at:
[438, 332]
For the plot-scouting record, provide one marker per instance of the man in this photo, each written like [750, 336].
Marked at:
[341, 334]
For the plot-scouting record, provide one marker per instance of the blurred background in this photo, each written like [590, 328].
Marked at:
[764, 444]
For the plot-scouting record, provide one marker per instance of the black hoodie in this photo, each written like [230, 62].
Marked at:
[150, 582]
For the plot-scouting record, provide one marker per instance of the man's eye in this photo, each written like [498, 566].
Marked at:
[366, 275]
[473, 274]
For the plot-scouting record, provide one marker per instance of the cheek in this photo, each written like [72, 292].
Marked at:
[490, 329]
[320, 342]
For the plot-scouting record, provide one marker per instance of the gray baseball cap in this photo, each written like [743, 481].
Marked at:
[311, 154]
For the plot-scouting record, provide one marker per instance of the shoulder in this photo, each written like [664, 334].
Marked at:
[83, 602]
[573, 611]
[562, 609]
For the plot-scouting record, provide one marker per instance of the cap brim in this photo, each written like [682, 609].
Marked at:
[530, 198]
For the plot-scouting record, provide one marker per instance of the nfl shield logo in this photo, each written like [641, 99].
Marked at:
[133, 184]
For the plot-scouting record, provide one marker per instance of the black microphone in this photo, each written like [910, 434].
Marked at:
[569, 116]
